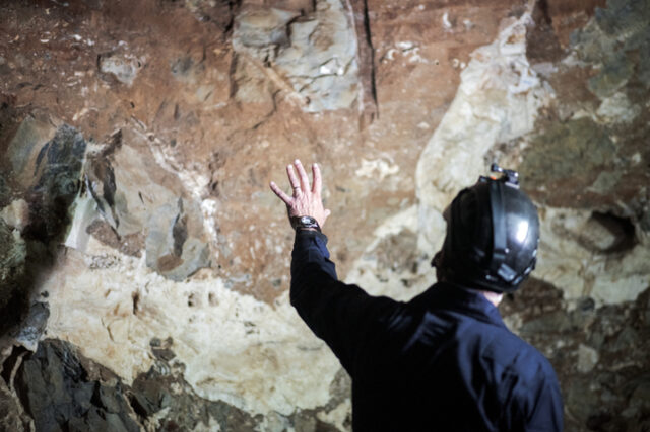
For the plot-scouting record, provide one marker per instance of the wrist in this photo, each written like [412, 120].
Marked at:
[304, 222]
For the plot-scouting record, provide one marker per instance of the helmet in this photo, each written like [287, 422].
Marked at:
[492, 235]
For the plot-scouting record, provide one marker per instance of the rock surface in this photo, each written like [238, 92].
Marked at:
[145, 262]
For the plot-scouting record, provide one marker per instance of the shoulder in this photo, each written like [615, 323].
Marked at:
[511, 355]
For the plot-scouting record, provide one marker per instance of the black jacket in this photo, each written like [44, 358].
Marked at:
[444, 361]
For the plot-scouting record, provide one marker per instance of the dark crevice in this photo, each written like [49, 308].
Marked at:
[621, 228]
[137, 406]
[136, 298]
[373, 70]
[542, 5]
[10, 363]
[368, 106]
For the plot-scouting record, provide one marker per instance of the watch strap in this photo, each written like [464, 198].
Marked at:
[303, 222]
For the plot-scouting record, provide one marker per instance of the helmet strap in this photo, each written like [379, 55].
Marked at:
[500, 246]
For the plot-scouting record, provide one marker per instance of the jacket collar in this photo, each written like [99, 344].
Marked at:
[446, 296]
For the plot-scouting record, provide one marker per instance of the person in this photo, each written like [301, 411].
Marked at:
[443, 361]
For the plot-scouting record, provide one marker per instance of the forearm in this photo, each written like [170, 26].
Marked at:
[309, 251]
[336, 312]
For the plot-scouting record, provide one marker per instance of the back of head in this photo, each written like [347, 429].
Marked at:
[492, 235]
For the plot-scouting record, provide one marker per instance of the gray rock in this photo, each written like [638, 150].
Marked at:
[623, 341]
[615, 73]
[312, 58]
[640, 43]
[25, 147]
[57, 393]
[623, 17]
[11, 414]
[559, 321]
[169, 249]
[162, 349]
[58, 173]
[576, 150]
[591, 44]
[12, 255]
[31, 329]
[124, 67]
[5, 191]
[580, 398]
[12, 266]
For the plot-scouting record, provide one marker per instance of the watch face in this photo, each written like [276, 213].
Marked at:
[306, 220]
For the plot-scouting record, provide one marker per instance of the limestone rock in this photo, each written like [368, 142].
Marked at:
[124, 67]
[489, 109]
[234, 88]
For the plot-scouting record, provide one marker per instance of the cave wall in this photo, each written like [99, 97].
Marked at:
[144, 261]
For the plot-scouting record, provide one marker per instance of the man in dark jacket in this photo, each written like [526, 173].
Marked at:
[444, 361]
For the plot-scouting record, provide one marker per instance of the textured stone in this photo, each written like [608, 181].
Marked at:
[578, 149]
[618, 109]
[122, 203]
[159, 391]
[623, 22]
[25, 147]
[489, 109]
[622, 17]
[55, 390]
[169, 249]
[124, 67]
[57, 179]
[12, 254]
[16, 214]
[587, 358]
[313, 58]
[616, 73]
[12, 265]
[12, 417]
[224, 102]
[33, 326]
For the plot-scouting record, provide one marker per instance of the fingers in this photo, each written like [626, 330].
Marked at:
[283, 196]
[303, 175]
[293, 179]
[318, 182]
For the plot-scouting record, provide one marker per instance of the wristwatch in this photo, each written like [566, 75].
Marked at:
[302, 222]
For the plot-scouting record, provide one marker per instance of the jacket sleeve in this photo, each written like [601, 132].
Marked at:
[537, 403]
[547, 412]
[344, 316]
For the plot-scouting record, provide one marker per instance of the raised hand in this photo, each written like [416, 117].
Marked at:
[304, 200]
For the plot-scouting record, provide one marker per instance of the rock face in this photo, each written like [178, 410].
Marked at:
[57, 393]
[312, 57]
[144, 262]
[12, 261]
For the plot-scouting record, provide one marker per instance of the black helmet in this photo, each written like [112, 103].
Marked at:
[492, 235]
